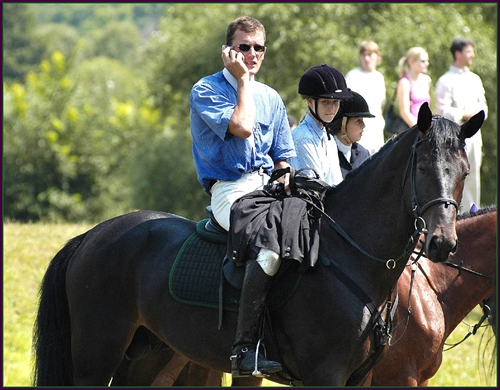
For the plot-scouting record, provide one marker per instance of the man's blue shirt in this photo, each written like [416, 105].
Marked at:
[219, 155]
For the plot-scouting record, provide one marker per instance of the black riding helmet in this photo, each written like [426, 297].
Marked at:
[323, 82]
[355, 106]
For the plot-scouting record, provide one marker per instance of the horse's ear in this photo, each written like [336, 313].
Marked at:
[424, 118]
[469, 128]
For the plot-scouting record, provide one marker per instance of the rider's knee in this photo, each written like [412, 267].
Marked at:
[269, 261]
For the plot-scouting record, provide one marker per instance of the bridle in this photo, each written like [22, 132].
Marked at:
[419, 222]
[417, 210]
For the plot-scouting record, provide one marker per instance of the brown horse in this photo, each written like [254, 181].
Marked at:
[108, 282]
[442, 295]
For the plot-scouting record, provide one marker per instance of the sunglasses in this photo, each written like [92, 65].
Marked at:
[246, 47]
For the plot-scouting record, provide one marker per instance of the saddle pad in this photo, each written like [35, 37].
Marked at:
[197, 271]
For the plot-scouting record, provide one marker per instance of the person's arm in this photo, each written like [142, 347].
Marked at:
[444, 100]
[403, 97]
[242, 121]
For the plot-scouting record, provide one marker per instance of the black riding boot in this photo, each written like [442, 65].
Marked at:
[252, 302]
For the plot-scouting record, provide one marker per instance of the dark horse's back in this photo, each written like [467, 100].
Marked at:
[71, 279]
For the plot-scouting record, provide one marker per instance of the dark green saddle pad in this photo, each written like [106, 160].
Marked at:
[196, 275]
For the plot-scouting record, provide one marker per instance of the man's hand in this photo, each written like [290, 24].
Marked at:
[234, 63]
[285, 179]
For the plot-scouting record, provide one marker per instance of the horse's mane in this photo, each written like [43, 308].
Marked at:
[369, 161]
[444, 137]
[481, 211]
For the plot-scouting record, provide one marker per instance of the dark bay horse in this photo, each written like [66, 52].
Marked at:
[442, 295]
[106, 283]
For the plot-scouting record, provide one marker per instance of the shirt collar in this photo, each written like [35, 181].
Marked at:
[314, 125]
[341, 146]
[456, 69]
[231, 80]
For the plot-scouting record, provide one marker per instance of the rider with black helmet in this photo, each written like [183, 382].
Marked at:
[347, 128]
[322, 87]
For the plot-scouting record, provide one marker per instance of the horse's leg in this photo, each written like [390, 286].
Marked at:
[98, 347]
[171, 371]
[250, 381]
[196, 375]
[143, 370]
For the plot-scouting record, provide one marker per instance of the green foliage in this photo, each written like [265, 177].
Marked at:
[87, 17]
[74, 125]
[102, 126]
[120, 41]
[22, 50]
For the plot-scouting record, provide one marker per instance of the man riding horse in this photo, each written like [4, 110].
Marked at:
[237, 142]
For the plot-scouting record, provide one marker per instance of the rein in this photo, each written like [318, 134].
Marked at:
[472, 328]
[461, 268]
[486, 312]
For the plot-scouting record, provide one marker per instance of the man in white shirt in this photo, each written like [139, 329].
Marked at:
[459, 95]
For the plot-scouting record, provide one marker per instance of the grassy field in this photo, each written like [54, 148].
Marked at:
[28, 249]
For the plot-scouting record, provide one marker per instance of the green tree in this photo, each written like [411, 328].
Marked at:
[102, 126]
[120, 41]
[21, 50]
[67, 136]
[58, 37]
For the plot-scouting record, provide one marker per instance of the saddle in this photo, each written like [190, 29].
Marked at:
[203, 276]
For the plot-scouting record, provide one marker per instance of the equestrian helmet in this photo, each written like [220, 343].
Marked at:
[325, 82]
[355, 106]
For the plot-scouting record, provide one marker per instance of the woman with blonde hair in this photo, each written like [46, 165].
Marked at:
[413, 87]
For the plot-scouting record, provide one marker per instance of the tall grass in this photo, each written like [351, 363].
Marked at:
[28, 249]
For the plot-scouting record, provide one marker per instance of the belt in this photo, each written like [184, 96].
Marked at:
[260, 170]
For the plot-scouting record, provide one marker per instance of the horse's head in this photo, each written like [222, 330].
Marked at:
[438, 168]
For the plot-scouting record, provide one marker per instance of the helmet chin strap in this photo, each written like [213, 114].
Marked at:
[316, 116]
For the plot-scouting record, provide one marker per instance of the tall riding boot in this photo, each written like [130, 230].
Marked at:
[252, 302]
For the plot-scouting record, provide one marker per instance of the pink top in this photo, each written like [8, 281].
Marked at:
[419, 93]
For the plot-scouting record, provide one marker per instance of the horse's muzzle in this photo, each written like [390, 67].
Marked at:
[438, 249]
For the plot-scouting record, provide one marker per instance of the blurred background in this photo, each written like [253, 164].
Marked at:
[96, 95]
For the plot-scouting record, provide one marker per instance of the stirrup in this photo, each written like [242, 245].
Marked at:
[235, 365]
[256, 372]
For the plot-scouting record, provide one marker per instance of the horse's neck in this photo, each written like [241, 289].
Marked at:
[371, 207]
[460, 291]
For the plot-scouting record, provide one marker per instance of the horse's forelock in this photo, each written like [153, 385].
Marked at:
[444, 136]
